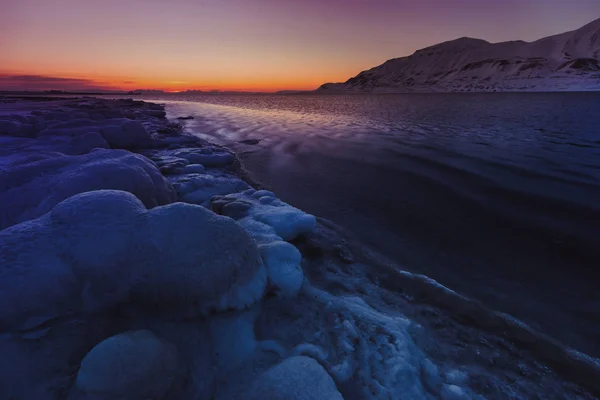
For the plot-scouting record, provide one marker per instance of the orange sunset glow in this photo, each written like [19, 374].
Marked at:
[251, 45]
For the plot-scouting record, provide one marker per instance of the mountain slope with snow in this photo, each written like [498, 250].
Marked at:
[568, 61]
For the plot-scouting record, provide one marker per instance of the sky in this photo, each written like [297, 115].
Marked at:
[251, 45]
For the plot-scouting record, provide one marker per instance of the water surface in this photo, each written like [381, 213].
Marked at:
[496, 196]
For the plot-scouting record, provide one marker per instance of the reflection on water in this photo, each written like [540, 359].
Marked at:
[494, 195]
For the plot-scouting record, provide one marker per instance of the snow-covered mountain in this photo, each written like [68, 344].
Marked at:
[568, 61]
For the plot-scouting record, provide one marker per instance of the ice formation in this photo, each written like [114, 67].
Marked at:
[32, 185]
[283, 265]
[98, 249]
[123, 293]
[271, 222]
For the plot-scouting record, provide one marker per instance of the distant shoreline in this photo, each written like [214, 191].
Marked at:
[62, 95]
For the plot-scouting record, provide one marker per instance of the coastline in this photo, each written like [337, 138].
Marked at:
[436, 337]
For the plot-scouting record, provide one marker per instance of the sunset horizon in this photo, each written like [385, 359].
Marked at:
[256, 46]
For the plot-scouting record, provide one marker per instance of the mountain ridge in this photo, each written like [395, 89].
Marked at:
[561, 62]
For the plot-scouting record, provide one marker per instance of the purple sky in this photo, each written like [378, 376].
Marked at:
[248, 44]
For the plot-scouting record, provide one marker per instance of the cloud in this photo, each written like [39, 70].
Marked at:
[43, 82]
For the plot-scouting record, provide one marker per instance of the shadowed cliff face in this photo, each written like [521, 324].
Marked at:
[567, 61]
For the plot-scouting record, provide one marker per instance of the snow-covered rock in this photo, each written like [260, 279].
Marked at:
[171, 165]
[99, 249]
[129, 366]
[283, 260]
[193, 169]
[271, 222]
[266, 216]
[119, 133]
[568, 61]
[128, 135]
[297, 378]
[200, 188]
[208, 156]
[32, 183]
[85, 143]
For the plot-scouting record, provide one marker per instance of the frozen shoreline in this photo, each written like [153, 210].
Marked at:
[377, 333]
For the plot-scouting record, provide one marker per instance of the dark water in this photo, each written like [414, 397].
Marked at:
[496, 196]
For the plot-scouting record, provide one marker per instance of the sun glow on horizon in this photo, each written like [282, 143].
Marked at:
[244, 45]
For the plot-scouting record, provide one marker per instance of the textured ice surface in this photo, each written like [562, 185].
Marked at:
[283, 260]
[270, 222]
[30, 185]
[207, 156]
[264, 208]
[98, 249]
[368, 353]
[193, 169]
[200, 188]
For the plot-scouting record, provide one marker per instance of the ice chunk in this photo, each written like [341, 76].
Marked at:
[269, 221]
[283, 220]
[283, 265]
[260, 232]
[370, 350]
[207, 156]
[129, 366]
[297, 378]
[85, 143]
[453, 392]
[199, 189]
[287, 222]
[193, 169]
[127, 135]
[100, 249]
[239, 296]
[31, 186]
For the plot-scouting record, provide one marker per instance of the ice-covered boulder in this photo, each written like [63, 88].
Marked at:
[193, 169]
[267, 214]
[208, 156]
[297, 378]
[283, 260]
[127, 135]
[85, 143]
[130, 366]
[100, 249]
[271, 222]
[217, 267]
[120, 133]
[32, 183]
[17, 148]
[200, 188]
[171, 165]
